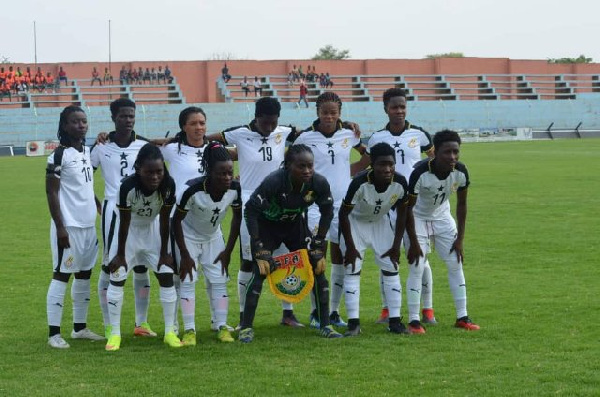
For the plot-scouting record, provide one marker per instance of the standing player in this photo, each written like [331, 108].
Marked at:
[431, 184]
[144, 239]
[116, 157]
[260, 150]
[201, 208]
[73, 206]
[275, 215]
[365, 223]
[409, 142]
[331, 144]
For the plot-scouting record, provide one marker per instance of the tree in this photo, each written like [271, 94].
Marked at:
[4, 59]
[446, 55]
[330, 52]
[581, 59]
[223, 56]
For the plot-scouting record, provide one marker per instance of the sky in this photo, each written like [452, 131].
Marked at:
[153, 30]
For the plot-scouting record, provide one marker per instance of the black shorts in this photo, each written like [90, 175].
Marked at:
[293, 235]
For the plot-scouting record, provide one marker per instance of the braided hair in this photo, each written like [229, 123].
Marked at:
[213, 153]
[328, 96]
[62, 135]
[150, 152]
[267, 106]
[181, 137]
[391, 93]
[292, 152]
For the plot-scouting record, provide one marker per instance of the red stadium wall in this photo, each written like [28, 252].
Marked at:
[197, 79]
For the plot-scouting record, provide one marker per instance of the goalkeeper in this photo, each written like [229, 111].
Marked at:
[275, 214]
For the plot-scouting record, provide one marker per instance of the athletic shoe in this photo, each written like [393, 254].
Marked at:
[172, 340]
[58, 342]
[224, 335]
[398, 328]
[353, 332]
[466, 323]
[384, 316]
[214, 327]
[291, 321]
[335, 319]
[86, 333]
[428, 317]
[238, 327]
[113, 344]
[330, 333]
[415, 327]
[246, 335]
[144, 330]
[314, 322]
[107, 331]
[189, 338]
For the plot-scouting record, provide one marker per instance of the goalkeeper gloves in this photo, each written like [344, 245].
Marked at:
[263, 258]
[316, 254]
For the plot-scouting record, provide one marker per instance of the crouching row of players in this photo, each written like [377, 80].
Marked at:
[274, 215]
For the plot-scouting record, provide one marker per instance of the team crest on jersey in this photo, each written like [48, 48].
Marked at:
[413, 143]
[278, 138]
[393, 199]
[309, 196]
[345, 143]
[69, 262]
[454, 186]
[293, 278]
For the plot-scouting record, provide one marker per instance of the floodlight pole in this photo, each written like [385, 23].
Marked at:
[109, 50]
[34, 45]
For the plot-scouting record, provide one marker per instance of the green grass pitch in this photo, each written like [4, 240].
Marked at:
[532, 250]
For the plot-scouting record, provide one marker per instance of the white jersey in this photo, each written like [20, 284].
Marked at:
[76, 193]
[185, 163]
[433, 193]
[144, 209]
[368, 205]
[332, 157]
[116, 162]
[258, 156]
[409, 145]
[204, 215]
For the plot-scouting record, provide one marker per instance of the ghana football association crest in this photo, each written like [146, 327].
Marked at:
[293, 279]
[454, 186]
[413, 143]
[345, 143]
[393, 199]
[69, 262]
[278, 138]
[309, 196]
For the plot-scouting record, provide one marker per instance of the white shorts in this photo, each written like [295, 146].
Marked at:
[110, 231]
[204, 254]
[245, 245]
[142, 249]
[82, 254]
[440, 234]
[379, 236]
[314, 216]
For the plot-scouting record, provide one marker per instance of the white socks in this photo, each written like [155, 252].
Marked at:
[352, 295]
[141, 287]
[103, 281]
[220, 303]
[80, 295]
[336, 286]
[427, 286]
[114, 298]
[55, 300]
[243, 280]
[393, 294]
[187, 301]
[168, 299]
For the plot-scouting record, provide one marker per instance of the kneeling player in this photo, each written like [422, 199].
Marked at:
[429, 218]
[143, 239]
[197, 228]
[274, 215]
[365, 223]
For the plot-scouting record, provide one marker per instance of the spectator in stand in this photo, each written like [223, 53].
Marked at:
[303, 93]
[18, 73]
[290, 79]
[96, 76]
[50, 81]
[2, 76]
[10, 75]
[225, 73]
[301, 73]
[161, 75]
[295, 73]
[135, 77]
[39, 80]
[4, 90]
[245, 85]
[257, 86]
[153, 76]
[322, 80]
[168, 74]
[147, 76]
[28, 77]
[107, 76]
[62, 76]
[123, 76]
[328, 81]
